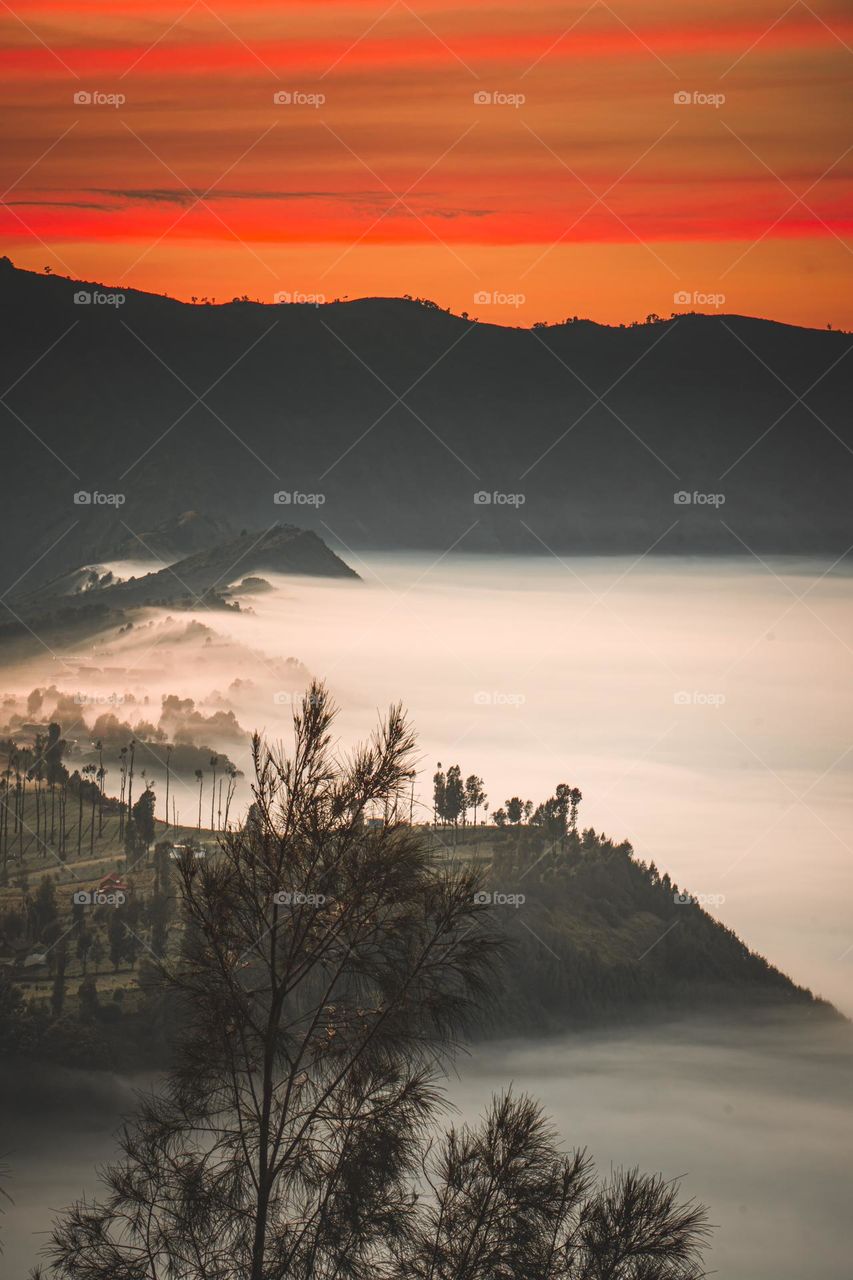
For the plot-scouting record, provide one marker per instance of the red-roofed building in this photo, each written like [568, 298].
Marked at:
[113, 883]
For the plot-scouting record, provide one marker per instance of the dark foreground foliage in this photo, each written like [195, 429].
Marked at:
[325, 972]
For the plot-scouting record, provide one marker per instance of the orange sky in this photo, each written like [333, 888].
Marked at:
[581, 187]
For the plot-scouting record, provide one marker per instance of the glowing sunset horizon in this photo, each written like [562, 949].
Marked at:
[584, 160]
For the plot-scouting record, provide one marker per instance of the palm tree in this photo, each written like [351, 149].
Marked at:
[231, 774]
[36, 775]
[102, 777]
[439, 784]
[80, 810]
[15, 764]
[25, 763]
[200, 776]
[4, 817]
[63, 812]
[91, 772]
[55, 769]
[214, 761]
[168, 758]
[123, 767]
[130, 778]
[102, 773]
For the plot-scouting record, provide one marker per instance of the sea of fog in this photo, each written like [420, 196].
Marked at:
[703, 706]
[758, 1122]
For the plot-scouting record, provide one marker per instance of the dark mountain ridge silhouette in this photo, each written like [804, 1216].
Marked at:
[92, 597]
[378, 421]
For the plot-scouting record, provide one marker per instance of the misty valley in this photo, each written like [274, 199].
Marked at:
[631, 772]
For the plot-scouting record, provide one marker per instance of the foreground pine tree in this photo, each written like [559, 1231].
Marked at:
[326, 971]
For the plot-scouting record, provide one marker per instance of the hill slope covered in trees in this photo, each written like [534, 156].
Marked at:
[594, 937]
[601, 936]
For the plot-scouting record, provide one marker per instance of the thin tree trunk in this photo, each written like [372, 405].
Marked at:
[4, 825]
[264, 1178]
[130, 784]
[62, 822]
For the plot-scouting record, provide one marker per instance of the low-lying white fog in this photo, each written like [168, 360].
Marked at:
[703, 707]
[758, 1120]
[703, 711]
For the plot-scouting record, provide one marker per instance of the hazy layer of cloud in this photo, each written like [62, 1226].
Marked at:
[756, 1118]
[704, 718]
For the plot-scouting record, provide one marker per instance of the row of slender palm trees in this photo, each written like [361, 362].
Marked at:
[218, 813]
[36, 799]
[37, 794]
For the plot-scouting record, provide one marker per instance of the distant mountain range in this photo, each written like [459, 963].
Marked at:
[390, 423]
